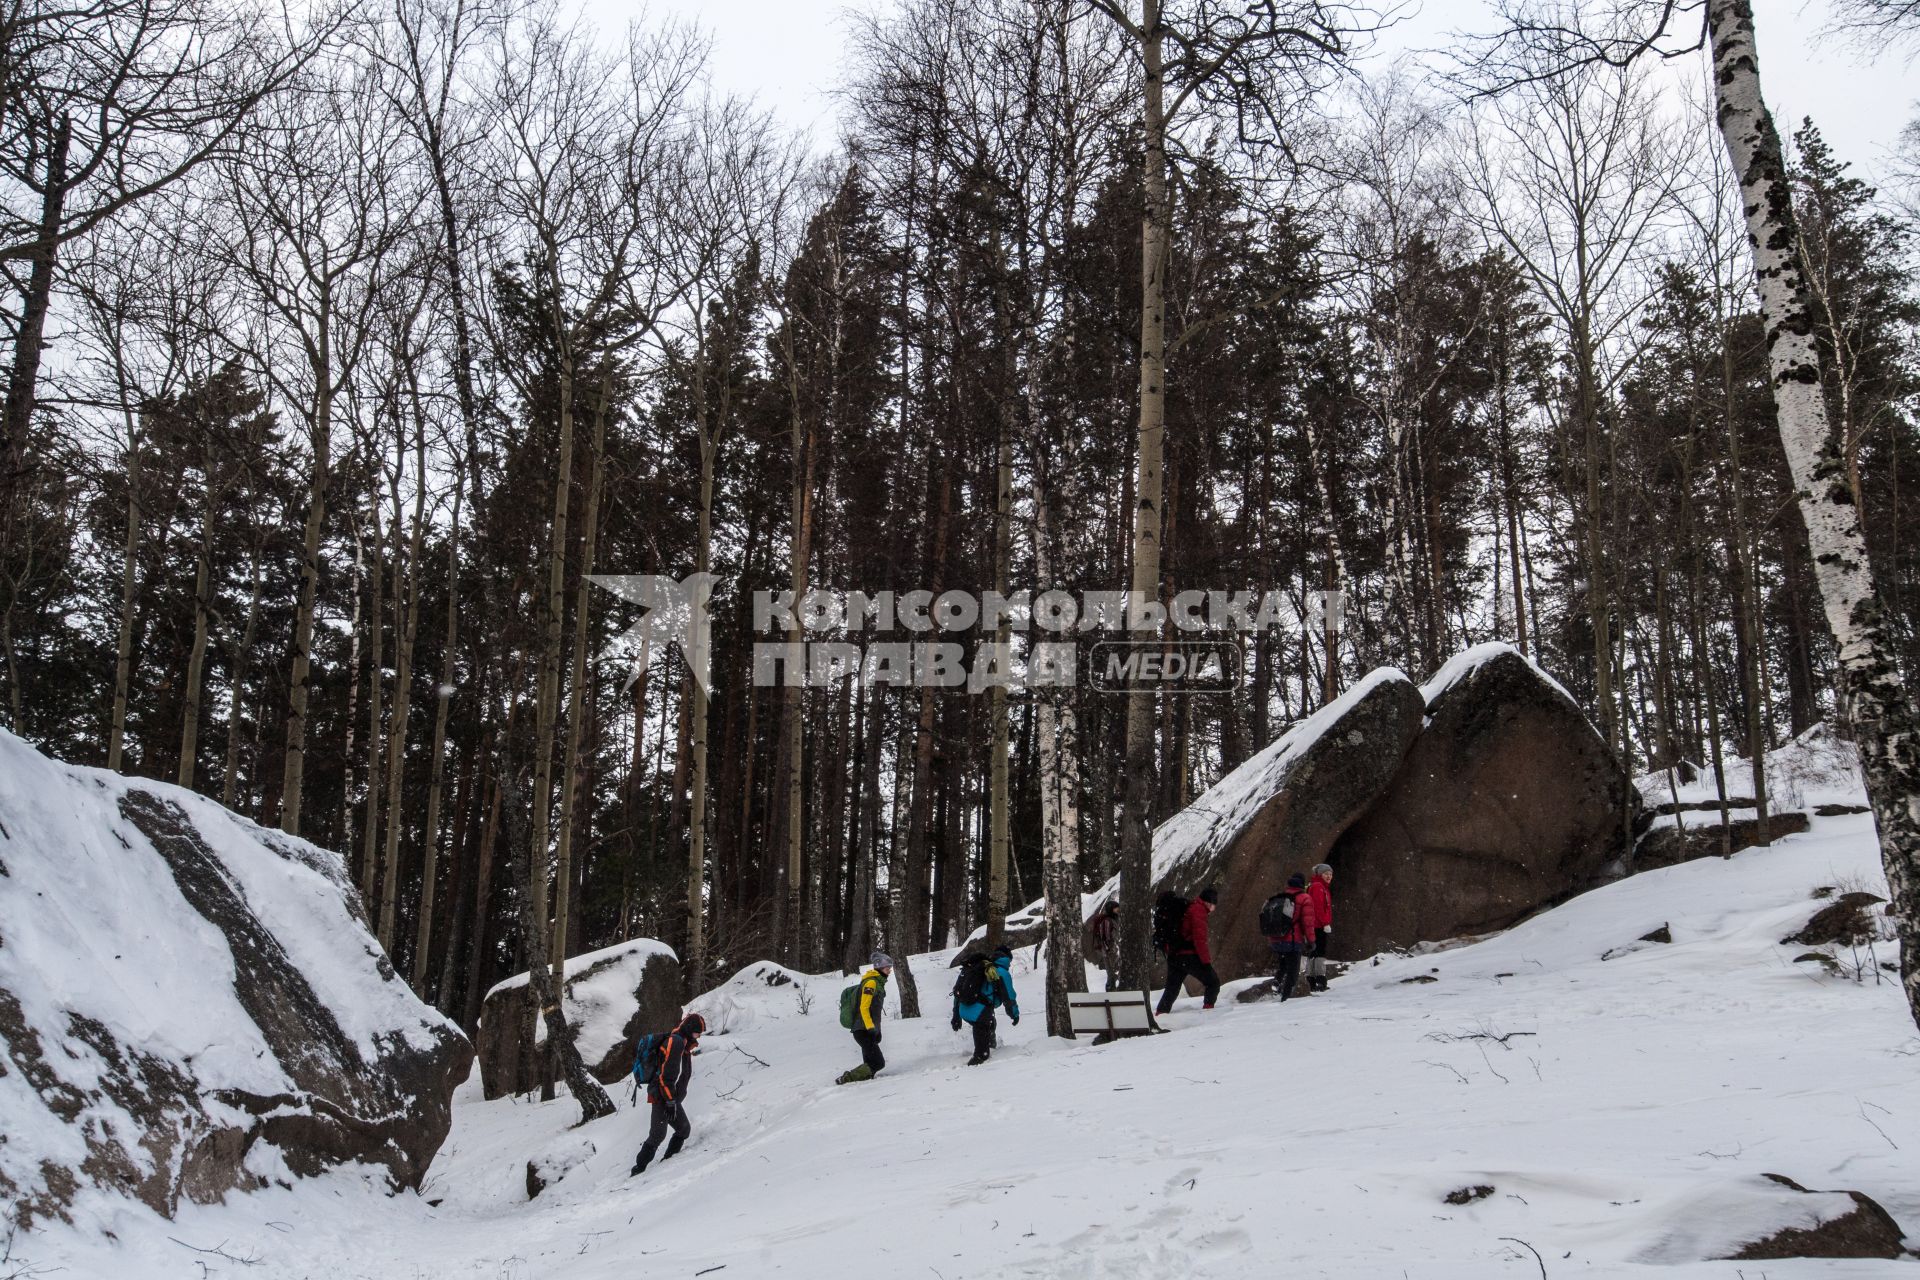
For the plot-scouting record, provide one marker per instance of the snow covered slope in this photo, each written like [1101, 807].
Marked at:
[1621, 1099]
[189, 1004]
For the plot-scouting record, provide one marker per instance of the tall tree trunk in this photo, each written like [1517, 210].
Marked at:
[123, 645]
[792, 696]
[548, 986]
[1877, 704]
[1059, 752]
[197, 652]
[572, 777]
[1136, 836]
[999, 803]
[536, 940]
[436, 783]
[376, 647]
[697, 732]
[241, 657]
[402, 687]
[320, 436]
[1746, 600]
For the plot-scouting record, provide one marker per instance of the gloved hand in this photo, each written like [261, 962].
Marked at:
[1328, 930]
[956, 1022]
[1014, 1018]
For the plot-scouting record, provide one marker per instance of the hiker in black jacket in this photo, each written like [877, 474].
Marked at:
[667, 1091]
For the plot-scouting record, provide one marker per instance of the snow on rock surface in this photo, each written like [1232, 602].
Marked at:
[192, 1004]
[1623, 1110]
[612, 997]
[761, 992]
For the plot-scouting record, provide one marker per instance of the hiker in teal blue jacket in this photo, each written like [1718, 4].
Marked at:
[984, 985]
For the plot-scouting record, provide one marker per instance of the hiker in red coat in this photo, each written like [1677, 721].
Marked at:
[1289, 924]
[1320, 889]
[1192, 954]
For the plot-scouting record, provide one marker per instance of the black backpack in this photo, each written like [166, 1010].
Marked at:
[971, 986]
[1168, 911]
[1276, 917]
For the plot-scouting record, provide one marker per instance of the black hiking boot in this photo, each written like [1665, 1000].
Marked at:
[639, 1167]
[977, 1059]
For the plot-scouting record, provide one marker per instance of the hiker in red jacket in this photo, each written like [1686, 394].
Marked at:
[1289, 936]
[1320, 889]
[1192, 954]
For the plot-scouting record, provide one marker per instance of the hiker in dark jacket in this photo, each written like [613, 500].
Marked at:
[868, 1007]
[995, 990]
[1321, 887]
[1289, 946]
[667, 1091]
[1192, 954]
[1103, 939]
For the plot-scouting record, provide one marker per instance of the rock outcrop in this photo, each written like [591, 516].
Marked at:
[191, 1004]
[1448, 809]
[1666, 846]
[1508, 801]
[613, 997]
[1283, 810]
[1865, 1230]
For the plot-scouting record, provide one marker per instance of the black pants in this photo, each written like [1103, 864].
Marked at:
[983, 1033]
[1178, 968]
[666, 1115]
[870, 1049]
[1287, 970]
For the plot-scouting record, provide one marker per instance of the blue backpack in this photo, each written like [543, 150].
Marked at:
[649, 1056]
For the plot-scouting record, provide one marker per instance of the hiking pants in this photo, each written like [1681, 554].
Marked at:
[1178, 968]
[983, 1029]
[665, 1115]
[1287, 976]
[1320, 944]
[870, 1049]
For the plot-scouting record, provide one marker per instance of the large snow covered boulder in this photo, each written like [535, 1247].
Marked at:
[762, 993]
[1508, 801]
[1283, 809]
[191, 1004]
[613, 997]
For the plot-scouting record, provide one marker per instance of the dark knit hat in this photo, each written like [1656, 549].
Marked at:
[1296, 881]
[1210, 894]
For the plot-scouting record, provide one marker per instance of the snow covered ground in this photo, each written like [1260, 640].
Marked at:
[1621, 1109]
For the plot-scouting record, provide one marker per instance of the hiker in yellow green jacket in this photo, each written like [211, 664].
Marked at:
[860, 1012]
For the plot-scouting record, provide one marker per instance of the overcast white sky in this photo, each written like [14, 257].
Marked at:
[786, 52]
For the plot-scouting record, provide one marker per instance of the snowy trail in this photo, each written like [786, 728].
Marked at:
[1623, 1124]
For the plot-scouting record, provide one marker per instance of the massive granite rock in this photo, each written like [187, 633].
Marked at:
[1508, 801]
[613, 997]
[191, 1004]
[1282, 811]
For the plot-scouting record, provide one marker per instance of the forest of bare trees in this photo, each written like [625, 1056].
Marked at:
[343, 357]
